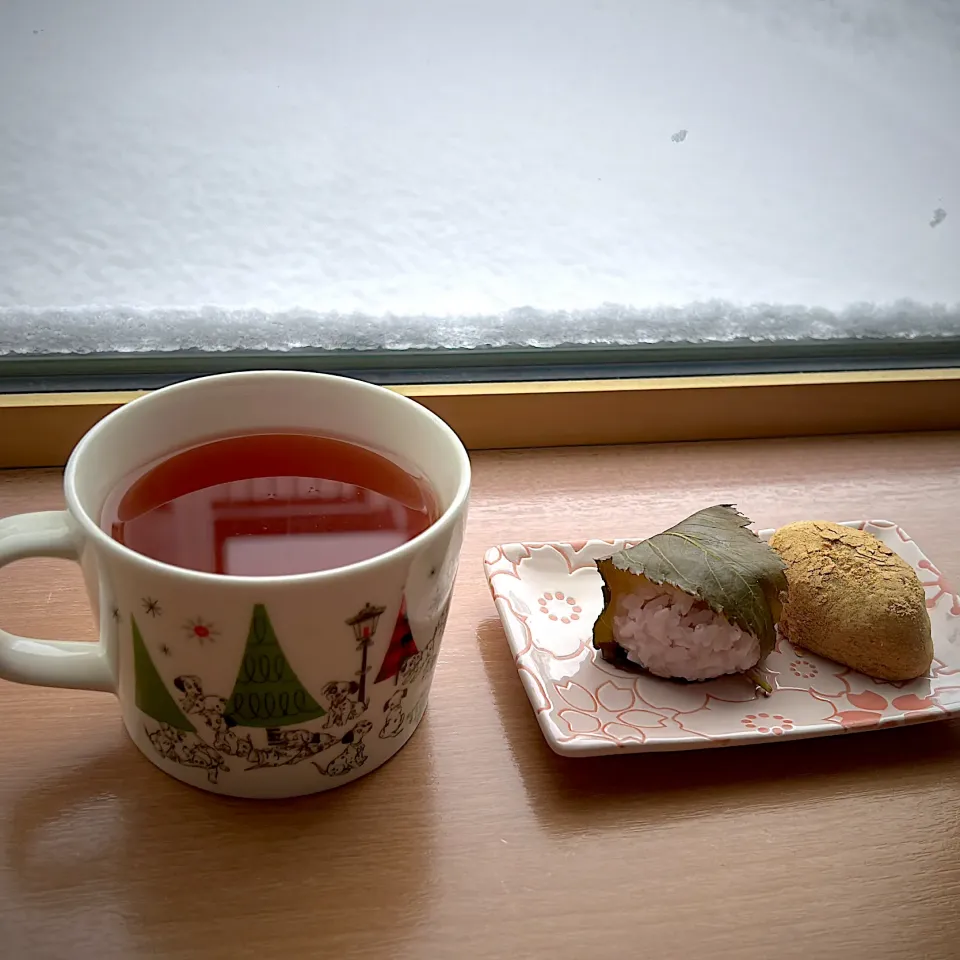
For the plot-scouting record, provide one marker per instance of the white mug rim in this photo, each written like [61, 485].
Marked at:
[93, 530]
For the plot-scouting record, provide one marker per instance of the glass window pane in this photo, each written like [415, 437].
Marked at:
[425, 175]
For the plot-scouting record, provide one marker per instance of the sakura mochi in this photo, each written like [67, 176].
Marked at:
[695, 602]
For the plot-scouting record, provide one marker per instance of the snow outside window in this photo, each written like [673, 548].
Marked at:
[395, 174]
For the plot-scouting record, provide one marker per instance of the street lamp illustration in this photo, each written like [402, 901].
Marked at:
[364, 627]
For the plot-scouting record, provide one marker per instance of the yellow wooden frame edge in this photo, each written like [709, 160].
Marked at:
[42, 429]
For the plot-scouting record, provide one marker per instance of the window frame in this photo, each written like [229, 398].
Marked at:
[40, 429]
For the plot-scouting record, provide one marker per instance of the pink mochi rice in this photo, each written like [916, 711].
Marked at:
[673, 634]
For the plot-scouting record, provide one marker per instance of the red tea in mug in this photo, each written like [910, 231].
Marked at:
[269, 505]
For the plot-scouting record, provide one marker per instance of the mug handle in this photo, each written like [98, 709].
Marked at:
[48, 663]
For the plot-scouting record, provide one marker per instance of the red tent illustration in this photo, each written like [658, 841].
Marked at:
[401, 649]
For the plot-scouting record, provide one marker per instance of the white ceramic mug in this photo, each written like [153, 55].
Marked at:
[252, 686]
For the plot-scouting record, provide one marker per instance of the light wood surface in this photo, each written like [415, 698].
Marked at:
[41, 429]
[477, 841]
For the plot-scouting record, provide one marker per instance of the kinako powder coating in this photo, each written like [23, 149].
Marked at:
[853, 600]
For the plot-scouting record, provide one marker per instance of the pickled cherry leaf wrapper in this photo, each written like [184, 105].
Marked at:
[713, 556]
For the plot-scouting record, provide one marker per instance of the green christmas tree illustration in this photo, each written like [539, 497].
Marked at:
[152, 696]
[267, 692]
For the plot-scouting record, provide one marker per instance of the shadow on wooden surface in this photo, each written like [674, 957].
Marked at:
[578, 795]
[110, 826]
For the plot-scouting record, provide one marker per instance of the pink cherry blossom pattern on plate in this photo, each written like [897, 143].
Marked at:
[559, 607]
[611, 712]
[587, 706]
[804, 669]
[767, 723]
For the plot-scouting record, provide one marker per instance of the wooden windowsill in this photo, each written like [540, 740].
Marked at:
[42, 429]
[477, 841]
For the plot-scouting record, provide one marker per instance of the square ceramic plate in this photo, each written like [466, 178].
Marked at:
[548, 597]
